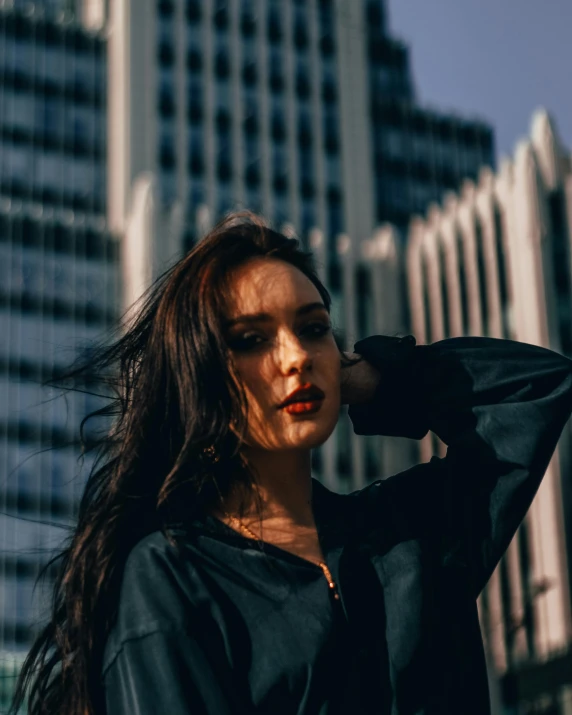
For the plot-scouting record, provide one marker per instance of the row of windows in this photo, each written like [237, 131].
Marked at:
[49, 277]
[77, 91]
[388, 82]
[19, 369]
[21, 568]
[392, 144]
[53, 177]
[276, 81]
[278, 128]
[408, 118]
[252, 173]
[42, 32]
[34, 338]
[25, 432]
[78, 242]
[44, 410]
[168, 154]
[52, 119]
[65, 200]
[248, 24]
[86, 313]
[51, 68]
[446, 175]
[46, 505]
[71, 145]
[388, 52]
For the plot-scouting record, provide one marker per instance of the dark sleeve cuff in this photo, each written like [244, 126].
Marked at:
[397, 408]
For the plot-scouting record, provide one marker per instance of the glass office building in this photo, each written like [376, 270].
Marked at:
[58, 286]
[301, 109]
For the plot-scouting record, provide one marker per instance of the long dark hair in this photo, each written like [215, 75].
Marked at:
[173, 395]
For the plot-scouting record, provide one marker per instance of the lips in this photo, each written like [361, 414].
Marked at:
[305, 393]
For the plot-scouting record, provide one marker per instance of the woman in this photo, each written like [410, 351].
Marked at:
[209, 573]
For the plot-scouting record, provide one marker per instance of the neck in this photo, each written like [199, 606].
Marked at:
[284, 484]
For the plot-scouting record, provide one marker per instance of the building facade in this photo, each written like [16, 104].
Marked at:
[495, 260]
[303, 110]
[58, 287]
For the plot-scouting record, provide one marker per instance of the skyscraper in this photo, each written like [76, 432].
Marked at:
[304, 110]
[58, 281]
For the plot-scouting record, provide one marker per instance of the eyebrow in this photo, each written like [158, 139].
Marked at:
[265, 317]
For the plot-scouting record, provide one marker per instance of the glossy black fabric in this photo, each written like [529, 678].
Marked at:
[217, 627]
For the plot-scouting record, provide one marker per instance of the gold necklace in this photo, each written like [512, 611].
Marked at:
[321, 564]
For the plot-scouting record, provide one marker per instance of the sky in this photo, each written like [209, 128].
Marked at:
[498, 60]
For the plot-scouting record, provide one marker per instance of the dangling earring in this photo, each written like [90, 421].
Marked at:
[211, 453]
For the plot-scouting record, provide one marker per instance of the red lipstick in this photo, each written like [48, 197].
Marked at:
[305, 399]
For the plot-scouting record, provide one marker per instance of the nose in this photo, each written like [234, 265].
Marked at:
[292, 356]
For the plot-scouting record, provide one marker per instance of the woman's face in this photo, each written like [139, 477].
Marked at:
[280, 338]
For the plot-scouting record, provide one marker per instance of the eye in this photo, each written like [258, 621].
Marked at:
[242, 343]
[316, 330]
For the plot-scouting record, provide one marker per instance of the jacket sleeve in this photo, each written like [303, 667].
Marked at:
[165, 653]
[163, 672]
[500, 407]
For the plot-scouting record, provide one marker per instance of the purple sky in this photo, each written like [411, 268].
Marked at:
[495, 59]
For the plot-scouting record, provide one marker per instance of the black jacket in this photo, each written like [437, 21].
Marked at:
[218, 627]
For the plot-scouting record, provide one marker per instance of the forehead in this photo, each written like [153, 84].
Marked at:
[266, 284]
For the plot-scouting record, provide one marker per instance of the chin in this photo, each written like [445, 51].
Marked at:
[313, 434]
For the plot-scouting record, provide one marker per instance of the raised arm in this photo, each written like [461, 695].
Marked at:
[499, 405]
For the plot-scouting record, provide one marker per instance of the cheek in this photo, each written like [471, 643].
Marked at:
[253, 372]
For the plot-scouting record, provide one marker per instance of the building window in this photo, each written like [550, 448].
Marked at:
[561, 266]
[444, 290]
[305, 129]
[166, 53]
[221, 15]
[196, 157]
[166, 99]
[249, 74]
[166, 8]
[196, 194]
[194, 60]
[278, 125]
[195, 99]
[248, 20]
[426, 307]
[502, 275]
[308, 216]
[224, 162]
[335, 215]
[252, 175]
[481, 270]
[329, 90]
[222, 64]
[194, 11]
[276, 73]
[375, 16]
[250, 113]
[463, 283]
[327, 45]
[300, 30]
[274, 25]
[302, 81]
[331, 142]
[167, 153]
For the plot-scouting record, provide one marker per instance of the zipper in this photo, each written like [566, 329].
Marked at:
[330, 580]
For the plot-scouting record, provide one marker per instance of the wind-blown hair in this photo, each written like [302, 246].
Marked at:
[174, 393]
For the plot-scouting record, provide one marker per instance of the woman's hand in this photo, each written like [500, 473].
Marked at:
[358, 382]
